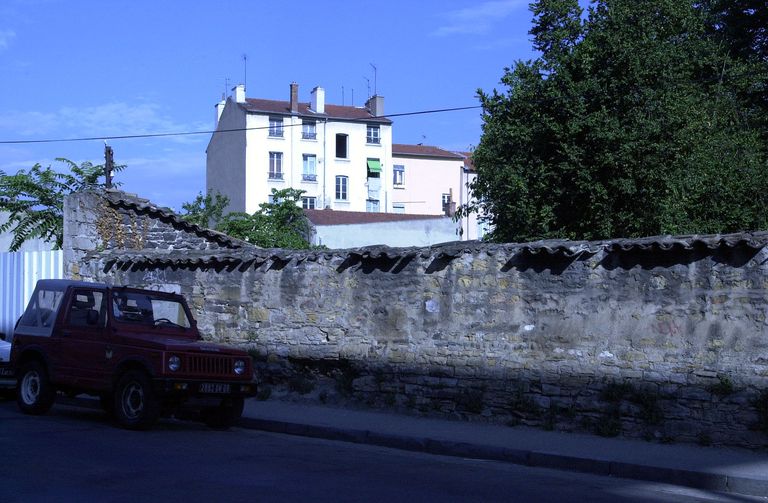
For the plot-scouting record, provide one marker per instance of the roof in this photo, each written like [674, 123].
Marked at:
[469, 164]
[331, 111]
[400, 149]
[245, 258]
[333, 217]
[132, 202]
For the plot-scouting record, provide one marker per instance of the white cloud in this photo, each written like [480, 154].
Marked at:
[110, 119]
[477, 20]
[503, 43]
[5, 38]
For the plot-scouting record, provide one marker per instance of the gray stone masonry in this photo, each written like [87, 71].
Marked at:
[644, 338]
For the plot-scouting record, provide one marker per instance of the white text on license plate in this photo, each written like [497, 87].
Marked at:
[211, 387]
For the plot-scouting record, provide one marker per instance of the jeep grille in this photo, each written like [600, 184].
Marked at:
[210, 365]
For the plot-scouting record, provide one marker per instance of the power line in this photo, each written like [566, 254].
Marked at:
[190, 133]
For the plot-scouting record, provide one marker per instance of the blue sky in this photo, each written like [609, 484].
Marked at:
[88, 68]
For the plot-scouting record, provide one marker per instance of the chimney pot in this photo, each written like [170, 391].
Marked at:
[219, 110]
[375, 105]
[294, 97]
[318, 100]
[239, 91]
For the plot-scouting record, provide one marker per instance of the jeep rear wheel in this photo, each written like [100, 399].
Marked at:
[136, 407]
[225, 415]
[35, 394]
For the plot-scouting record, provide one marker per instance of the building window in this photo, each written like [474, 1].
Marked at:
[398, 175]
[372, 205]
[275, 165]
[446, 200]
[373, 135]
[308, 130]
[276, 127]
[341, 146]
[341, 188]
[308, 203]
[309, 172]
[398, 208]
[374, 168]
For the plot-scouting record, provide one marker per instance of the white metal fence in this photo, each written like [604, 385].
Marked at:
[19, 273]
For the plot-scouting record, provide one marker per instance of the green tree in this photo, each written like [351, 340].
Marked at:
[205, 210]
[34, 199]
[279, 224]
[634, 121]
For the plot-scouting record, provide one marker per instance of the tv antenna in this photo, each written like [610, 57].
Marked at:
[245, 71]
[226, 87]
[375, 79]
[368, 83]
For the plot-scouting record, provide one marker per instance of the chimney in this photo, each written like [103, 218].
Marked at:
[318, 100]
[375, 105]
[239, 91]
[294, 97]
[220, 110]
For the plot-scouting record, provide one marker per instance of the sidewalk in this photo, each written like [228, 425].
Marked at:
[716, 469]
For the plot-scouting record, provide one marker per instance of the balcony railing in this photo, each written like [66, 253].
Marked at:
[275, 176]
[309, 178]
[305, 135]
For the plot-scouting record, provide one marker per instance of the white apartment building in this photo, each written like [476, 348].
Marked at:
[340, 155]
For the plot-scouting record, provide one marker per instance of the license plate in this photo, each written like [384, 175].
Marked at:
[6, 372]
[211, 387]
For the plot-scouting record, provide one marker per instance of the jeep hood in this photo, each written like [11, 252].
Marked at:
[182, 344]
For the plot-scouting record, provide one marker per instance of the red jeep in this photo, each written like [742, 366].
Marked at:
[139, 351]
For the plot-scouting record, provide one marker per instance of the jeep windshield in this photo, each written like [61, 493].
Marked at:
[142, 308]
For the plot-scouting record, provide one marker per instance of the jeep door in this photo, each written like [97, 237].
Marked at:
[84, 350]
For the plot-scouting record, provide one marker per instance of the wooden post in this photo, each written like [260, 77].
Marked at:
[108, 165]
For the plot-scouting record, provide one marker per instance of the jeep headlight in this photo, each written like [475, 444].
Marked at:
[174, 363]
[239, 367]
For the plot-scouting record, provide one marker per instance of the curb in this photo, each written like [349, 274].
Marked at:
[688, 478]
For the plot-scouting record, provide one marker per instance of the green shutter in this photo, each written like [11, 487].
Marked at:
[374, 165]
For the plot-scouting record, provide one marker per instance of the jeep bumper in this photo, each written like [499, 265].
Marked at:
[194, 389]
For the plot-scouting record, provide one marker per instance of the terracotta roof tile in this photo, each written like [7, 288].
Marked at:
[400, 149]
[253, 257]
[331, 111]
[468, 162]
[140, 205]
[334, 217]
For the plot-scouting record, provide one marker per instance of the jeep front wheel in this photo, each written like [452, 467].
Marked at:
[136, 407]
[35, 394]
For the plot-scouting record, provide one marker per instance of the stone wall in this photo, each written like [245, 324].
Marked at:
[661, 338]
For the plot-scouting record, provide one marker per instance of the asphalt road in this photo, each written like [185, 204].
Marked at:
[79, 455]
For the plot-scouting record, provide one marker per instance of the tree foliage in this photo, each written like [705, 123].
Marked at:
[645, 117]
[205, 210]
[34, 199]
[278, 224]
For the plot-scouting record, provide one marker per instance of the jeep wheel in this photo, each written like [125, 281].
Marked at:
[225, 415]
[136, 407]
[35, 394]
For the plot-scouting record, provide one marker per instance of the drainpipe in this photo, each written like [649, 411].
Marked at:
[325, 158]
